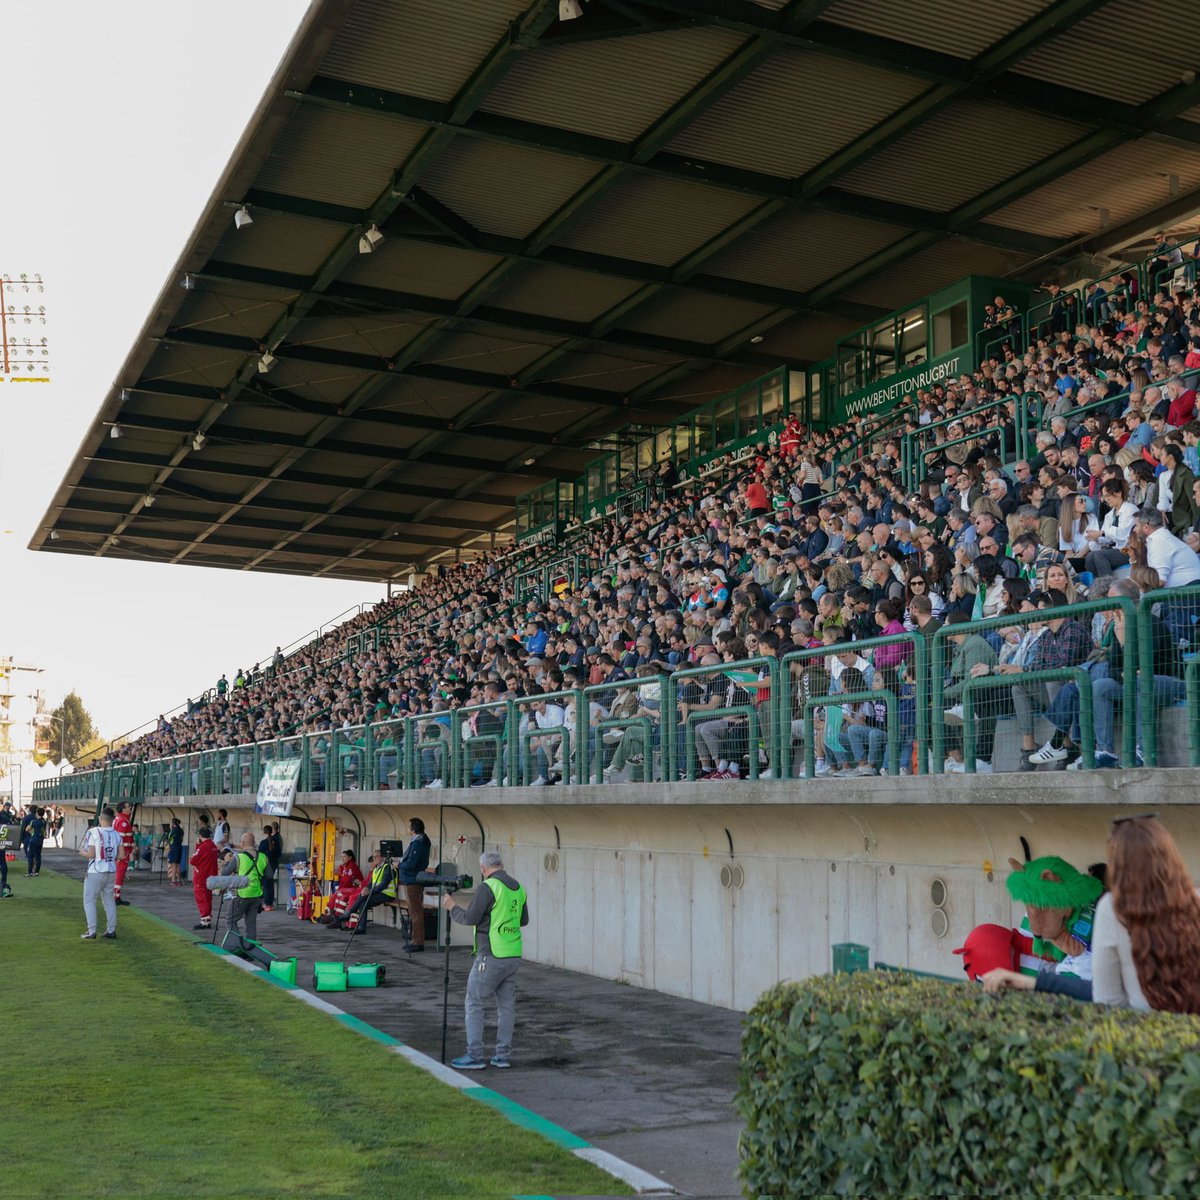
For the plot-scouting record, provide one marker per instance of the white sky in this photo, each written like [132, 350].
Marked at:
[119, 118]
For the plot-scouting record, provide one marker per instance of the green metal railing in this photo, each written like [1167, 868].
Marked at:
[939, 662]
[390, 752]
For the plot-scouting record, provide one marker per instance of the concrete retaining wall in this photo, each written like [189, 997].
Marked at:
[714, 891]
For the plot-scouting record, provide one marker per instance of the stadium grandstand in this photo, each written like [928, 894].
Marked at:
[796, 396]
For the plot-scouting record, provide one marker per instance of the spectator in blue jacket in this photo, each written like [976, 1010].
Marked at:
[414, 863]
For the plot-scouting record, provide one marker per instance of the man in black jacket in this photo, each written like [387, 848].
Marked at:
[414, 862]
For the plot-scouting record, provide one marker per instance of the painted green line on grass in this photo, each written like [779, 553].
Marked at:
[520, 1115]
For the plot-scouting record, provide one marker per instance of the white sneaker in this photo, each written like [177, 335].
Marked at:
[540, 781]
[574, 779]
[611, 769]
[954, 716]
[767, 774]
[982, 767]
[821, 767]
[433, 785]
[491, 783]
[953, 767]
[866, 769]
[1048, 754]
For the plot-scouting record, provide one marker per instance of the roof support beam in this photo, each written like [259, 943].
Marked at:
[336, 94]
[268, 437]
[559, 392]
[522, 34]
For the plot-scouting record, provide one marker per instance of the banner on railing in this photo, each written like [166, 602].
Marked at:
[277, 791]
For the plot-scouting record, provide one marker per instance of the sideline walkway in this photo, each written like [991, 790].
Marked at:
[643, 1075]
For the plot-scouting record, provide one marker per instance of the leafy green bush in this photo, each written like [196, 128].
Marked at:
[883, 1084]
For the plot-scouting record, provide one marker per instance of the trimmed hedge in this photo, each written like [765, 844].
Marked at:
[885, 1084]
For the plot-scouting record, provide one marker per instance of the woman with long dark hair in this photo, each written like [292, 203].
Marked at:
[1146, 945]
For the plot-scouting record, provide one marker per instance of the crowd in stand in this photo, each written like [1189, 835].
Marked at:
[812, 541]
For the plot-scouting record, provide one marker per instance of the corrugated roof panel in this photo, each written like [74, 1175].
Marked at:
[1129, 180]
[505, 189]
[208, 309]
[421, 47]
[192, 364]
[1192, 114]
[561, 292]
[340, 156]
[811, 338]
[611, 372]
[695, 317]
[793, 112]
[704, 385]
[1129, 50]
[930, 269]
[940, 164]
[948, 26]
[421, 268]
[655, 220]
[797, 250]
[615, 88]
[376, 336]
[280, 242]
[428, 397]
[491, 353]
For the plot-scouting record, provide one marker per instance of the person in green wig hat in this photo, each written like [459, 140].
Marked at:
[1060, 906]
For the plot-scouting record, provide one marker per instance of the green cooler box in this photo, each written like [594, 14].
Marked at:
[329, 976]
[366, 975]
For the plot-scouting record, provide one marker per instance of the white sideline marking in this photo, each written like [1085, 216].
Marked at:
[446, 1074]
[641, 1181]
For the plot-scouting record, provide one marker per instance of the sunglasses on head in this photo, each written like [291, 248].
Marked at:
[1136, 817]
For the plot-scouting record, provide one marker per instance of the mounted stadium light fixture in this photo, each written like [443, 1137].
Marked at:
[198, 441]
[188, 283]
[125, 393]
[370, 240]
[147, 501]
[266, 363]
[54, 535]
[568, 10]
[115, 431]
[758, 337]
[242, 218]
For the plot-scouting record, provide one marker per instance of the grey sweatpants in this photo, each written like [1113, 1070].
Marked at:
[492, 977]
[98, 885]
[248, 910]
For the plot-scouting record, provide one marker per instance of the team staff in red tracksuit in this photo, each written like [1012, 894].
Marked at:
[203, 863]
[124, 826]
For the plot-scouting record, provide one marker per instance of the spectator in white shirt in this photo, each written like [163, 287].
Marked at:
[1177, 564]
[1108, 543]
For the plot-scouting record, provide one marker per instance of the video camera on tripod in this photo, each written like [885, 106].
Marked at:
[442, 877]
[451, 883]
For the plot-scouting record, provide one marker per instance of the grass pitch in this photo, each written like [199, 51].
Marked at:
[146, 1067]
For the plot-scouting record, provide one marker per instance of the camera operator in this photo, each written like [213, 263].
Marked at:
[498, 910]
[380, 889]
[415, 860]
[251, 862]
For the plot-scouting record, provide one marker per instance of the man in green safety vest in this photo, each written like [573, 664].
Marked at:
[498, 911]
[250, 862]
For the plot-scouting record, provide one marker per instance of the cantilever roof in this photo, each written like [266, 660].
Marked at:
[586, 222]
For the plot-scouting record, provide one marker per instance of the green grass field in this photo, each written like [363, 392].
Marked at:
[147, 1067]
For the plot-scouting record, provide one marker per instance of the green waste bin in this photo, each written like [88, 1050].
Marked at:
[849, 957]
